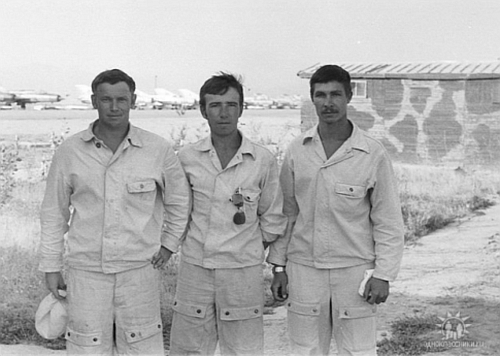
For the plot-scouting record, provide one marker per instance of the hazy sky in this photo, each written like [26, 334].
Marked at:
[55, 44]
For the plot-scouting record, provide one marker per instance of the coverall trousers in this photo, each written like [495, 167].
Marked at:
[218, 305]
[325, 302]
[130, 300]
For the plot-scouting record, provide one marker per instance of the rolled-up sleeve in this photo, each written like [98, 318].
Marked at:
[54, 217]
[176, 201]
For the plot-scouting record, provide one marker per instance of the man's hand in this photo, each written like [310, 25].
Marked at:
[279, 287]
[161, 258]
[376, 291]
[54, 281]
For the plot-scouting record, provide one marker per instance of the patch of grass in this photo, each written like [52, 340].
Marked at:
[433, 197]
[17, 326]
[409, 336]
[9, 159]
[423, 215]
[22, 290]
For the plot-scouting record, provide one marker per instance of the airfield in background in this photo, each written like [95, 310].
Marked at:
[34, 128]
[162, 99]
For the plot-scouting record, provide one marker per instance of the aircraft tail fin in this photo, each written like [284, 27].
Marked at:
[84, 92]
[188, 94]
[161, 91]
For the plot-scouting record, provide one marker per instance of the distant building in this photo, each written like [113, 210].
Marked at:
[432, 112]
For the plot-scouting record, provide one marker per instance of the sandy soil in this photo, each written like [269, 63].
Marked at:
[455, 270]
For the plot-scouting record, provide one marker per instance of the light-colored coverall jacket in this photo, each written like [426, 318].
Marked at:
[346, 210]
[116, 203]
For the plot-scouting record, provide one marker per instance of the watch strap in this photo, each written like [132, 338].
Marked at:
[278, 269]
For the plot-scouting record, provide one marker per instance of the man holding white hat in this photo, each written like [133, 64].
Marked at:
[51, 317]
[120, 194]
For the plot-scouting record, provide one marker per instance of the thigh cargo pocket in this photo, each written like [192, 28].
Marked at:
[359, 327]
[242, 329]
[190, 327]
[195, 311]
[358, 312]
[310, 309]
[228, 314]
[140, 333]
[83, 339]
[303, 322]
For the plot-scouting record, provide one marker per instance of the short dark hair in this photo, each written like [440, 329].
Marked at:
[329, 73]
[219, 84]
[113, 76]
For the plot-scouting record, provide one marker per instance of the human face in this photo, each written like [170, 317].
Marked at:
[330, 100]
[113, 103]
[222, 112]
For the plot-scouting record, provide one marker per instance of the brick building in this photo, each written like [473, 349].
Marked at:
[432, 112]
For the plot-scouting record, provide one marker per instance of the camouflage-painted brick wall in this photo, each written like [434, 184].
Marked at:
[429, 121]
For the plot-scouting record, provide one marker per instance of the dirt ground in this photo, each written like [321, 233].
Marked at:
[453, 272]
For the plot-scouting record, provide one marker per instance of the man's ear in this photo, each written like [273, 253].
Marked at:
[94, 101]
[134, 98]
[203, 112]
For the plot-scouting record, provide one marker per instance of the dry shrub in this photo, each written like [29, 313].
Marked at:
[432, 197]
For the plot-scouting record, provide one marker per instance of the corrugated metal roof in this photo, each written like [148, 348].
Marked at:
[416, 70]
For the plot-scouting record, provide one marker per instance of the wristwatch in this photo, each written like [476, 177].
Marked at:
[278, 269]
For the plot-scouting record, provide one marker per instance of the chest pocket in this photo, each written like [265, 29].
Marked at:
[141, 196]
[251, 203]
[349, 190]
[141, 187]
[251, 196]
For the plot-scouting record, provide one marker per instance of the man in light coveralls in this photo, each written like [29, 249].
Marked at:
[345, 223]
[112, 187]
[237, 209]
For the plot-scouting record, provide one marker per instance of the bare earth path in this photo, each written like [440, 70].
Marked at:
[455, 270]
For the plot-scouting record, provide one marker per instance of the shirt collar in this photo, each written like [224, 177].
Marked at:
[246, 146]
[356, 141]
[133, 136]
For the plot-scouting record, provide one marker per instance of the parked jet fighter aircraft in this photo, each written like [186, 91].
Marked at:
[6, 98]
[23, 97]
[166, 99]
[288, 101]
[162, 98]
[142, 100]
[259, 101]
